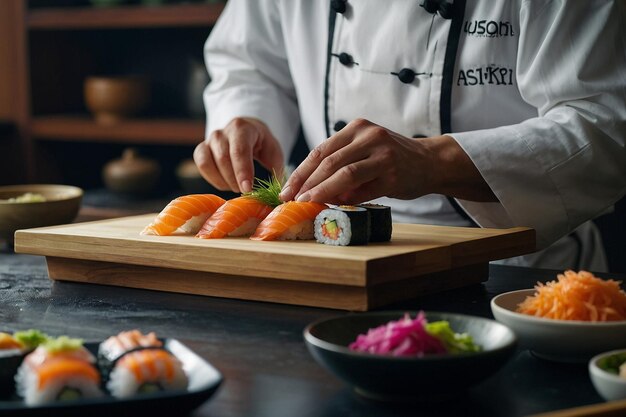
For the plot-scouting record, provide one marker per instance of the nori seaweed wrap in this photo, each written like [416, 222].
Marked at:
[380, 222]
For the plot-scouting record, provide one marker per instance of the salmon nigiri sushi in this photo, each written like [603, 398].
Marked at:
[241, 216]
[186, 214]
[60, 369]
[290, 221]
[237, 217]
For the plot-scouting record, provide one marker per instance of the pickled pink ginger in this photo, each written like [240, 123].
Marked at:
[413, 337]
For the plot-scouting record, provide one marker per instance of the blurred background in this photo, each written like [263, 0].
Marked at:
[106, 95]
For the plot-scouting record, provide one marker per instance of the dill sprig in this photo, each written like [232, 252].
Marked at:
[266, 191]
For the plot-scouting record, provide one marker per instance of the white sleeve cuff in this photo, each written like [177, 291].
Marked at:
[526, 194]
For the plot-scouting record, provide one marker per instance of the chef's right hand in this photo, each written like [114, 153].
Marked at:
[226, 158]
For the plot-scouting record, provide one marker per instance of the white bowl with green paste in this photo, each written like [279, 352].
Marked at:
[608, 374]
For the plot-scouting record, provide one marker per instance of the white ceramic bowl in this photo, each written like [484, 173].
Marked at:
[557, 340]
[611, 387]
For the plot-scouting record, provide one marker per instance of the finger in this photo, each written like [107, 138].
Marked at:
[365, 192]
[299, 176]
[203, 158]
[220, 149]
[348, 178]
[240, 149]
[341, 159]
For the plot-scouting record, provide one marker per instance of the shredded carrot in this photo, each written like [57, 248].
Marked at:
[577, 296]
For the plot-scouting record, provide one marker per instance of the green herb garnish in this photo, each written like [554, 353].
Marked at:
[266, 191]
[31, 338]
[62, 344]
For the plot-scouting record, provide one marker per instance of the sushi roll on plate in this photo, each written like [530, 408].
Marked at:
[116, 346]
[113, 348]
[136, 363]
[13, 348]
[343, 226]
[146, 371]
[60, 369]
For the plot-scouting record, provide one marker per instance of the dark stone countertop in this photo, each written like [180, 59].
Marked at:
[259, 346]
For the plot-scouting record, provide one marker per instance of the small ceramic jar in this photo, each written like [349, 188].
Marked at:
[131, 174]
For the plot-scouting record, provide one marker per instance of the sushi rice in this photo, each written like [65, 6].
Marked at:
[64, 388]
[343, 226]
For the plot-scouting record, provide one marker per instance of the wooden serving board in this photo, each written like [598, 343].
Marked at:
[417, 260]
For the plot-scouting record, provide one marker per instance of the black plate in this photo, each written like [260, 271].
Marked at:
[204, 380]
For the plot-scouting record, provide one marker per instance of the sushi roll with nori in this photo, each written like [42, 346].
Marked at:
[115, 347]
[380, 222]
[342, 226]
[134, 363]
[60, 369]
[146, 371]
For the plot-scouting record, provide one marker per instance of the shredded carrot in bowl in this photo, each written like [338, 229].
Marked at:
[577, 296]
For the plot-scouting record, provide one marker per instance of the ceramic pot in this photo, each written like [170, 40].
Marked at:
[112, 99]
[131, 174]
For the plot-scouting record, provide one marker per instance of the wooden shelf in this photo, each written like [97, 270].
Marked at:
[157, 41]
[121, 17]
[146, 131]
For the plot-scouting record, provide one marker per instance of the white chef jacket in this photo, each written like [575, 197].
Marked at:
[533, 91]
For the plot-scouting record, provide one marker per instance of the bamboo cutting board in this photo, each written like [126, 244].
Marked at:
[418, 259]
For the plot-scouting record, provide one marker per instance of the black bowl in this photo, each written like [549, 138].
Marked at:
[432, 377]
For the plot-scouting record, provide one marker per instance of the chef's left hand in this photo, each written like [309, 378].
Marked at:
[365, 161]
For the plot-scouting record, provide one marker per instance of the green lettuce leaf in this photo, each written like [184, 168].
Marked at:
[454, 342]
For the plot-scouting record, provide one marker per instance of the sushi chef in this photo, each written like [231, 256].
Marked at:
[463, 113]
